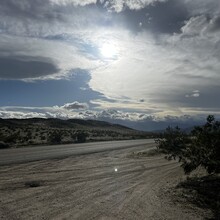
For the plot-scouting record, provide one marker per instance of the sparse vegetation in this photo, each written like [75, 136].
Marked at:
[3, 145]
[200, 148]
[37, 131]
[55, 138]
[81, 137]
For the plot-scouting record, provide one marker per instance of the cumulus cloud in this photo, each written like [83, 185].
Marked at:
[136, 120]
[20, 115]
[67, 113]
[75, 105]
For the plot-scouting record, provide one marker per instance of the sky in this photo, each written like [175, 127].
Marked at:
[146, 64]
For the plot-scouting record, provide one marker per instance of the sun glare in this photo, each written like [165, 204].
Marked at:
[108, 50]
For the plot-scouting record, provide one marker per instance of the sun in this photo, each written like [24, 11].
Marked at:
[108, 50]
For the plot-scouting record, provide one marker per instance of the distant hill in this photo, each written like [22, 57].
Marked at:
[59, 123]
[40, 131]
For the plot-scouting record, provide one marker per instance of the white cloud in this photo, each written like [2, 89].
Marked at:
[75, 105]
[160, 68]
[134, 119]
[194, 94]
[142, 67]
[195, 25]
[74, 2]
[20, 114]
[120, 5]
[67, 113]
[202, 26]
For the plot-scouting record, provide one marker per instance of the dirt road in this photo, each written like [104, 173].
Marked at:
[106, 185]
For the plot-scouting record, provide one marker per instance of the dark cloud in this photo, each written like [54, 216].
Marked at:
[216, 24]
[208, 97]
[161, 17]
[29, 9]
[43, 17]
[24, 68]
[196, 96]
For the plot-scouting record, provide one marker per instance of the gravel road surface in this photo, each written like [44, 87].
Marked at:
[105, 185]
[27, 154]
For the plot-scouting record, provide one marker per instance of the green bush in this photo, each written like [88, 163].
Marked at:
[200, 148]
[173, 142]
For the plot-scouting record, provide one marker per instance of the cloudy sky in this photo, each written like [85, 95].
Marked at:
[142, 63]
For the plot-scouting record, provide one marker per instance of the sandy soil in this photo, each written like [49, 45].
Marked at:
[88, 187]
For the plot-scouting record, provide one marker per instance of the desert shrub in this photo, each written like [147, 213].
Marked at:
[25, 139]
[11, 138]
[173, 143]
[200, 148]
[205, 147]
[73, 136]
[3, 145]
[42, 138]
[55, 138]
[29, 134]
[81, 137]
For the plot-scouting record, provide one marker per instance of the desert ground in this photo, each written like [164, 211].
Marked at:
[118, 184]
